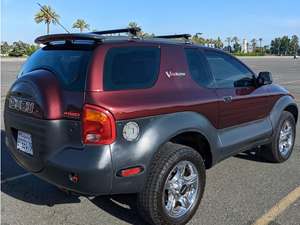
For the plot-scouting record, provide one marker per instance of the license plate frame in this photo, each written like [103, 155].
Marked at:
[24, 142]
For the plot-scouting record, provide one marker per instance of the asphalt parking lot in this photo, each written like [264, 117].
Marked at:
[239, 190]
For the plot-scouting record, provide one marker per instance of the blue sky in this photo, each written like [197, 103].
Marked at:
[244, 18]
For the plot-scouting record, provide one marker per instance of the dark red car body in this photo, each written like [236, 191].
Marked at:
[227, 120]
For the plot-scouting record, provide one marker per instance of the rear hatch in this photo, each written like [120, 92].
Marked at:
[44, 105]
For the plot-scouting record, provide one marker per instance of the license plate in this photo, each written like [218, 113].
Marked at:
[24, 142]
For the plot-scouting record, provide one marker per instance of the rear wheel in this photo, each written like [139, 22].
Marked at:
[174, 186]
[283, 139]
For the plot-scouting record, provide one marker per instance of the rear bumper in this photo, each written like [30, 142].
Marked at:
[58, 152]
[92, 165]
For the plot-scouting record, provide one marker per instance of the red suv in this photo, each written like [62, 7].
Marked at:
[99, 115]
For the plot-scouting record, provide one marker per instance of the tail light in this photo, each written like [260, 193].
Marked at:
[98, 125]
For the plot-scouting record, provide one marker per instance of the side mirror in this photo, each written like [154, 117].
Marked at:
[264, 78]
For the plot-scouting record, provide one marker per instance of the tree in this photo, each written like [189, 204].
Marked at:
[294, 45]
[236, 45]
[228, 39]
[198, 40]
[81, 25]
[30, 49]
[218, 43]
[140, 33]
[5, 48]
[284, 45]
[46, 15]
[260, 41]
[133, 25]
[18, 49]
[210, 42]
[275, 46]
[253, 42]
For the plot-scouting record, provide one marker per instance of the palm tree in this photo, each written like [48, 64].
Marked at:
[260, 40]
[236, 45]
[219, 43]
[228, 39]
[253, 41]
[133, 25]
[139, 33]
[81, 25]
[47, 15]
[235, 40]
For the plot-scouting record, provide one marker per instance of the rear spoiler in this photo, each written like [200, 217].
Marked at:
[94, 36]
[46, 39]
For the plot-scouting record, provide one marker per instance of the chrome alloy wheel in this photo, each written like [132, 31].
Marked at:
[181, 189]
[286, 138]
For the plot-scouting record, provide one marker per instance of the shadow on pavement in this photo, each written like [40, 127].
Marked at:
[30, 188]
[252, 155]
[36, 191]
[9, 168]
[122, 207]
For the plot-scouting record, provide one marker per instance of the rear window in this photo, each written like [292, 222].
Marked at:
[131, 68]
[69, 66]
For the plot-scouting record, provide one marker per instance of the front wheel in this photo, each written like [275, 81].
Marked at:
[282, 144]
[174, 186]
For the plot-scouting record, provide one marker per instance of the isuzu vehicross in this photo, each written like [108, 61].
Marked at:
[101, 115]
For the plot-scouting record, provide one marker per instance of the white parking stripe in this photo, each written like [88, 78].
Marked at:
[15, 178]
[290, 82]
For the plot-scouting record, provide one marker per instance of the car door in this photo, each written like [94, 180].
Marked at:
[239, 99]
[205, 92]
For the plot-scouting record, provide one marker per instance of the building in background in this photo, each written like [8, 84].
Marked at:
[245, 46]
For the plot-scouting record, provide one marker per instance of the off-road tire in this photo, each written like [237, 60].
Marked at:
[271, 151]
[150, 199]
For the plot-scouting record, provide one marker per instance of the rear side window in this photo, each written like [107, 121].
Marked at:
[69, 66]
[198, 68]
[131, 68]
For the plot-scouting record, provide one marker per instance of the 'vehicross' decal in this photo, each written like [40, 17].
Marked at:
[174, 74]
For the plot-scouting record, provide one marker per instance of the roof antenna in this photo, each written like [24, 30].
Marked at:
[56, 20]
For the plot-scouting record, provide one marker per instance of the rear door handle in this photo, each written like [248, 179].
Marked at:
[227, 99]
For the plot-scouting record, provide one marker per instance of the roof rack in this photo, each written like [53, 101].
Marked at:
[130, 30]
[47, 39]
[185, 36]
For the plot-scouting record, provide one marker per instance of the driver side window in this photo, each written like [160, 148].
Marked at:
[227, 71]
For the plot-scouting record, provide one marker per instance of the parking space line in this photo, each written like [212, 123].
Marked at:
[280, 207]
[15, 178]
[290, 82]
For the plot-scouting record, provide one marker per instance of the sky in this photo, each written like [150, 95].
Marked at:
[224, 18]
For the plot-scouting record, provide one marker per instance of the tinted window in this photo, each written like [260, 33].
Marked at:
[131, 68]
[228, 71]
[69, 66]
[198, 67]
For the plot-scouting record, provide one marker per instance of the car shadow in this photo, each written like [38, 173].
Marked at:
[28, 188]
[123, 207]
[252, 155]
[33, 190]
